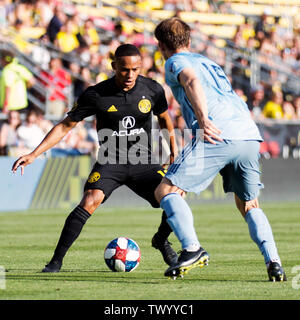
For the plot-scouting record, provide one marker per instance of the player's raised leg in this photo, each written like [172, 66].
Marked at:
[261, 233]
[180, 218]
[73, 226]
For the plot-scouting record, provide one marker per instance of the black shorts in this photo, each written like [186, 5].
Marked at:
[140, 178]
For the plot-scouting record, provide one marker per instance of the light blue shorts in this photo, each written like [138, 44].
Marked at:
[237, 161]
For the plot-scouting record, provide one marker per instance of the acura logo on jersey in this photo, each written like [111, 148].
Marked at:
[128, 122]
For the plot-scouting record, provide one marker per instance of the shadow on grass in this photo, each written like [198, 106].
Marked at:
[77, 275]
[108, 276]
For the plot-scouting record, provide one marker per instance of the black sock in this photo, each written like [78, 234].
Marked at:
[71, 230]
[164, 230]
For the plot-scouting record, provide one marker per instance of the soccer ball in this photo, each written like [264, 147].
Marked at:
[122, 254]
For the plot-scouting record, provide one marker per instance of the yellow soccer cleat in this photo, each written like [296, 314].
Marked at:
[187, 261]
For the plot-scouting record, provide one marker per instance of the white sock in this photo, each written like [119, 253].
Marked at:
[193, 247]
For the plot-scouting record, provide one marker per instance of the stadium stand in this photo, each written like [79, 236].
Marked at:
[257, 43]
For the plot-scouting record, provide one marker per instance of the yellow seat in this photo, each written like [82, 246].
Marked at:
[115, 2]
[270, 2]
[212, 18]
[138, 26]
[102, 12]
[32, 32]
[157, 4]
[259, 9]
[226, 32]
[161, 14]
[202, 6]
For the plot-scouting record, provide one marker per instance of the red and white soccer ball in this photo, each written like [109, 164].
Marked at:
[122, 254]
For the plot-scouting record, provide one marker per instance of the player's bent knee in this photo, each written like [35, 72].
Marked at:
[245, 206]
[92, 200]
[252, 204]
[164, 188]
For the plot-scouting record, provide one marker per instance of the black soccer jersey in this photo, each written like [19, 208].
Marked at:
[124, 119]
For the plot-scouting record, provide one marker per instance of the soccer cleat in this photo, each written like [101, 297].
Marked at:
[276, 272]
[164, 246]
[188, 260]
[52, 267]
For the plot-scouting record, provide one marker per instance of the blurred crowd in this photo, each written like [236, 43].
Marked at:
[74, 50]
[18, 137]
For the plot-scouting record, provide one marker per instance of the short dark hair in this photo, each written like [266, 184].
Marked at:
[174, 33]
[7, 55]
[125, 50]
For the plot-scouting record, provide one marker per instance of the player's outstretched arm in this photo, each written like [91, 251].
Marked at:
[197, 98]
[55, 135]
[165, 122]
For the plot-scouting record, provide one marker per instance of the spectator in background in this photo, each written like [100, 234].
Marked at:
[3, 14]
[178, 6]
[8, 133]
[262, 27]
[90, 35]
[241, 74]
[44, 11]
[273, 108]
[75, 143]
[268, 53]
[296, 104]
[257, 101]
[159, 62]
[29, 133]
[58, 81]
[84, 53]
[119, 34]
[40, 54]
[240, 92]
[77, 82]
[95, 64]
[66, 40]
[10, 12]
[238, 39]
[147, 62]
[45, 124]
[169, 5]
[86, 77]
[247, 30]
[289, 58]
[14, 81]
[189, 5]
[82, 80]
[18, 38]
[288, 111]
[252, 44]
[24, 11]
[55, 24]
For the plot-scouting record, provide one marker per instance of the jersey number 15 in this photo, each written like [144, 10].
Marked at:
[219, 77]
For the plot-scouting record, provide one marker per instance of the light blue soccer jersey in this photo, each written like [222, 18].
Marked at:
[226, 109]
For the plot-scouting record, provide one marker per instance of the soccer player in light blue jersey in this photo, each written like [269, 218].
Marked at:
[228, 143]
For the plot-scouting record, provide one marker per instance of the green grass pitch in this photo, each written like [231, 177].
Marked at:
[236, 270]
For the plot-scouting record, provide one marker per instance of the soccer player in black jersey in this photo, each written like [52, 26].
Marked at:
[122, 106]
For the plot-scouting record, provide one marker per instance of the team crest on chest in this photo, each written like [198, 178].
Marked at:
[144, 105]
